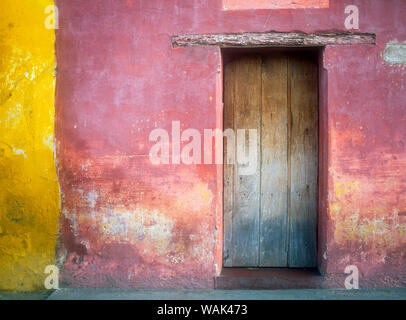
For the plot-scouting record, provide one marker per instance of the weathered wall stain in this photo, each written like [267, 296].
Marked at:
[29, 191]
[395, 53]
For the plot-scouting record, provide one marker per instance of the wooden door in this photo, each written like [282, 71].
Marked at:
[270, 216]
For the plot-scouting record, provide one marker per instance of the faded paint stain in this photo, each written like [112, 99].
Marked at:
[29, 191]
[365, 203]
[395, 53]
[142, 220]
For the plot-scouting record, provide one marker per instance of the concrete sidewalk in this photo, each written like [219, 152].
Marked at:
[119, 294]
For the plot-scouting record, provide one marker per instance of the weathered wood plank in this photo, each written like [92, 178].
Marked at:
[304, 162]
[274, 164]
[272, 39]
[228, 168]
[247, 103]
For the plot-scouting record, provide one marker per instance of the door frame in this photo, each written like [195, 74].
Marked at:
[322, 179]
[215, 42]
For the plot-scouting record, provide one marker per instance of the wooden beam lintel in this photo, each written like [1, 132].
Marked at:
[273, 39]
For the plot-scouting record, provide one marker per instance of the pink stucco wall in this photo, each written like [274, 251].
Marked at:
[128, 223]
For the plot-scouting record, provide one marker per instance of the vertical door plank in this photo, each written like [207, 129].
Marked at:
[247, 104]
[304, 162]
[274, 163]
[228, 168]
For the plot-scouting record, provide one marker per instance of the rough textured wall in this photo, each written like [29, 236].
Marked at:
[29, 191]
[126, 222]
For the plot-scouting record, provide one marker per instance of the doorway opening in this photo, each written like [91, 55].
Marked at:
[270, 217]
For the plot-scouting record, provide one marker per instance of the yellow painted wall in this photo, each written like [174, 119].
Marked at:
[29, 191]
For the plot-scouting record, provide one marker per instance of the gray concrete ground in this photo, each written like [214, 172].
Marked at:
[42, 295]
[119, 294]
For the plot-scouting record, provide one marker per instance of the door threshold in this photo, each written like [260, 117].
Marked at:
[268, 279]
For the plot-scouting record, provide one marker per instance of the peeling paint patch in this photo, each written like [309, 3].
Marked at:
[122, 225]
[395, 53]
[92, 198]
[20, 152]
